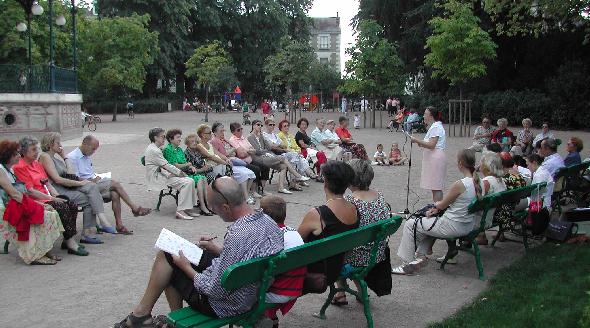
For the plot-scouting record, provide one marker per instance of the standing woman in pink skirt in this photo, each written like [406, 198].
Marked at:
[434, 161]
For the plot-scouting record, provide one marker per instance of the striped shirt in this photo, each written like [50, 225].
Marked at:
[252, 236]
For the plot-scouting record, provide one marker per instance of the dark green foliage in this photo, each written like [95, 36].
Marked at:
[152, 105]
[546, 288]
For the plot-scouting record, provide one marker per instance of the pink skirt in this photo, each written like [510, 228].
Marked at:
[434, 169]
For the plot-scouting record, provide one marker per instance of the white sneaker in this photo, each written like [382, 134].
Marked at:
[303, 178]
[284, 191]
[305, 184]
[182, 216]
[250, 201]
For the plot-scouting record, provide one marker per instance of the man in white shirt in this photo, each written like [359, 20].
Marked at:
[109, 189]
[540, 174]
[553, 161]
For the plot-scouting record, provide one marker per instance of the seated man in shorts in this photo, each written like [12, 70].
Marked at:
[110, 189]
[252, 234]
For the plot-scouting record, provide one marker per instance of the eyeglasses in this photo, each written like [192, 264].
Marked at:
[214, 188]
[545, 126]
[271, 124]
[217, 190]
[258, 124]
[238, 129]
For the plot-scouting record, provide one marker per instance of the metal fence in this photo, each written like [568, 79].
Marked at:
[37, 78]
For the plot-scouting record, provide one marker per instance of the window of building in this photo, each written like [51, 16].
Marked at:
[324, 42]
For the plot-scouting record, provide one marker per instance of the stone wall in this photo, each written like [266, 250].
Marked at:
[34, 114]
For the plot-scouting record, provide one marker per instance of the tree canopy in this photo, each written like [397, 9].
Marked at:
[114, 53]
[211, 66]
[374, 68]
[459, 47]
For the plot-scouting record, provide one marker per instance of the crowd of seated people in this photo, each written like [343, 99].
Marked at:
[42, 191]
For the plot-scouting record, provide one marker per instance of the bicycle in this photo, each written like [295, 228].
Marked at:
[131, 113]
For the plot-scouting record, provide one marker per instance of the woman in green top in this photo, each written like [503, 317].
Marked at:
[175, 156]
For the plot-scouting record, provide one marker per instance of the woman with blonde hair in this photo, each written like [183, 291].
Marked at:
[492, 170]
[420, 233]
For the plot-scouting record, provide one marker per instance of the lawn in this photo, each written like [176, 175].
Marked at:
[546, 288]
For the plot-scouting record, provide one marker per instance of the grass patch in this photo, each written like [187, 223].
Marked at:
[546, 288]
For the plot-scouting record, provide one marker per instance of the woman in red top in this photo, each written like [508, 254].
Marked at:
[33, 175]
[357, 150]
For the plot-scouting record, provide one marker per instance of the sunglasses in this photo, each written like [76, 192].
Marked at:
[214, 188]
[238, 129]
[271, 124]
[258, 124]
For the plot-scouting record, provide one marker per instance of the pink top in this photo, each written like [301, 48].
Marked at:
[395, 154]
[218, 145]
[242, 145]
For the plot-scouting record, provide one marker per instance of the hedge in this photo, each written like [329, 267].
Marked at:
[152, 105]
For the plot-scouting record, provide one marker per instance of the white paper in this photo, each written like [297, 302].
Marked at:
[170, 242]
[104, 176]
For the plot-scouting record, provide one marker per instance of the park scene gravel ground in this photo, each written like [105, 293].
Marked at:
[101, 289]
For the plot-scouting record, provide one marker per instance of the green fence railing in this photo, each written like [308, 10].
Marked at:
[37, 78]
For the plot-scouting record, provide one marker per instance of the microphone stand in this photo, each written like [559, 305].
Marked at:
[407, 210]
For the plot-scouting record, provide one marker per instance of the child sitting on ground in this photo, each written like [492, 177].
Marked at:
[379, 156]
[357, 121]
[289, 285]
[395, 155]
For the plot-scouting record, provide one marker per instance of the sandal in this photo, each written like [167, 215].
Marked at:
[44, 261]
[339, 300]
[124, 231]
[132, 321]
[141, 211]
[296, 188]
[53, 257]
[161, 321]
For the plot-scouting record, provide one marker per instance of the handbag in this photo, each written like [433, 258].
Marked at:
[538, 216]
[560, 231]
[316, 282]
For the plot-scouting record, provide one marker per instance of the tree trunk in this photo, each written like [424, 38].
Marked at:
[115, 111]
[207, 104]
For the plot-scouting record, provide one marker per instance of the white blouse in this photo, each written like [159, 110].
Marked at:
[436, 130]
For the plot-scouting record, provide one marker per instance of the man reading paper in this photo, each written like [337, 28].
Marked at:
[252, 234]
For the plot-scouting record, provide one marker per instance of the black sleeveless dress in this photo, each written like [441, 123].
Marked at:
[330, 226]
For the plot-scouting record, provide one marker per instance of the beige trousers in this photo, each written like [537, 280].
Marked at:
[187, 196]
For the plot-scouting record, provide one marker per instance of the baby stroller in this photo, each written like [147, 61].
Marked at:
[246, 118]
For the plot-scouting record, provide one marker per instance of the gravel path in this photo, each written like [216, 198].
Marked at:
[101, 289]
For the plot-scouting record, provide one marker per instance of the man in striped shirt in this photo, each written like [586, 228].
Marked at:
[252, 234]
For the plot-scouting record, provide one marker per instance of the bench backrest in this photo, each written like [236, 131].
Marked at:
[565, 173]
[491, 201]
[243, 273]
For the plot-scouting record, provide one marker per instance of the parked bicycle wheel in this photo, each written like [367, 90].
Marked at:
[97, 119]
[92, 125]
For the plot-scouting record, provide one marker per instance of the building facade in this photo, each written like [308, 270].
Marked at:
[325, 40]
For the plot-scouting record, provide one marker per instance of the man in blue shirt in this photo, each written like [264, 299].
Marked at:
[109, 189]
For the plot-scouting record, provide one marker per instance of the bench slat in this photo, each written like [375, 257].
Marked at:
[251, 271]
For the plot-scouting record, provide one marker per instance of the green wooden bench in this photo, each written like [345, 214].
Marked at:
[163, 193]
[484, 206]
[262, 271]
[567, 184]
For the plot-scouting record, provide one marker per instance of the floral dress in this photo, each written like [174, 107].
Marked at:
[503, 214]
[41, 236]
[175, 155]
[370, 212]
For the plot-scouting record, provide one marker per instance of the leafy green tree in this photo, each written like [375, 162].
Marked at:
[14, 48]
[171, 20]
[211, 66]
[288, 69]
[114, 54]
[536, 17]
[459, 47]
[374, 68]
[324, 77]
